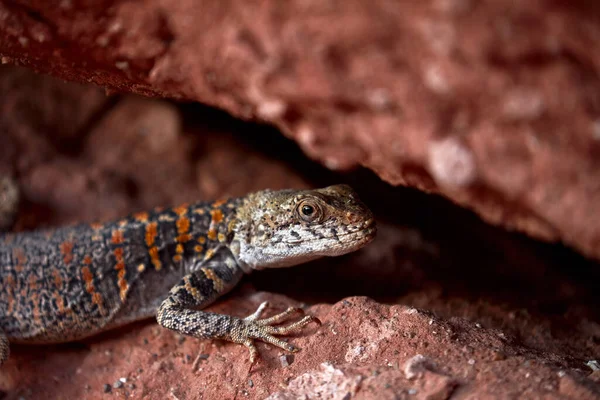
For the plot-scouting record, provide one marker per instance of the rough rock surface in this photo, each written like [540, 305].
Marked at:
[439, 306]
[492, 103]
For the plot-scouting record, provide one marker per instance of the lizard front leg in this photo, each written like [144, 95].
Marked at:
[205, 284]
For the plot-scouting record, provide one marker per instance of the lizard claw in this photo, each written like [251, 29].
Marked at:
[252, 328]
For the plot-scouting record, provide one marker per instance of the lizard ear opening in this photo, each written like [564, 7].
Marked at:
[309, 211]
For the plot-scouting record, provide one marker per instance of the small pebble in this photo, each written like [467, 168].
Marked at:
[412, 391]
[250, 383]
[107, 388]
[118, 385]
[594, 365]
[286, 360]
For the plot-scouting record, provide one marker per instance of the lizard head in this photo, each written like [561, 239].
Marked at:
[288, 227]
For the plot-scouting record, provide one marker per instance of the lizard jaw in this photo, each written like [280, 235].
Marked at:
[283, 254]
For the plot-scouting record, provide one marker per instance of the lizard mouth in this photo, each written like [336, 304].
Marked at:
[360, 237]
[366, 234]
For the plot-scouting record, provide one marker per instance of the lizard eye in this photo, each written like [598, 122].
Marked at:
[308, 211]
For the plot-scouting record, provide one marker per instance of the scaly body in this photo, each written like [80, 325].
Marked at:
[73, 282]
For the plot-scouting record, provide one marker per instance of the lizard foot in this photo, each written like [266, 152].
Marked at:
[253, 328]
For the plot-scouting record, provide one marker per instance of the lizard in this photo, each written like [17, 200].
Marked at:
[72, 282]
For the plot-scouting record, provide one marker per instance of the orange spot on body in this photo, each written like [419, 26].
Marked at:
[96, 226]
[87, 259]
[183, 238]
[183, 227]
[58, 281]
[98, 300]
[153, 251]
[219, 203]
[181, 210]
[212, 234]
[118, 252]
[141, 216]
[88, 278]
[66, 249]
[117, 237]
[217, 216]
[198, 248]
[120, 267]
[179, 251]
[151, 234]
[123, 285]
[60, 303]
[201, 240]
